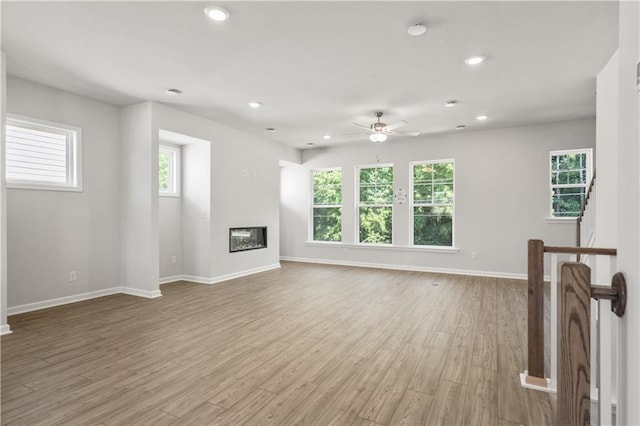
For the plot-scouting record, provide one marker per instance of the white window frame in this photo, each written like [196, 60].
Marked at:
[173, 152]
[412, 204]
[313, 205]
[73, 166]
[589, 164]
[358, 205]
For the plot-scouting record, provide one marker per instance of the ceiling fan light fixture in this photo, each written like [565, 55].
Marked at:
[217, 13]
[377, 137]
[417, 30]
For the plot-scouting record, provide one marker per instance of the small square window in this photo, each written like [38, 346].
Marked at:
[169, 170]
[42, 155]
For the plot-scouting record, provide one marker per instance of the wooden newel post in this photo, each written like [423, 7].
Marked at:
[574, 344]
[536, 313]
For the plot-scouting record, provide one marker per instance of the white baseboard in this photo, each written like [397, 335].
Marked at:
[195, 279]
[28, 307]
[4, 329]
[244, 273]
[172, 279]
[408, 268]
[140, 293]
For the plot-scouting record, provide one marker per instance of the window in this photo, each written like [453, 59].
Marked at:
[375, 204]
[570, 176]
[42, 155]
[327, 205]
[169, 170]
[433, 199]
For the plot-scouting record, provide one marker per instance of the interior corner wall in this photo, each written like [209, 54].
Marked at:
[139, 201]
[628, 409]
[4, 327]
[50, 233]
[606, 165]
[501, 188]
[244, 189]
[196, 210]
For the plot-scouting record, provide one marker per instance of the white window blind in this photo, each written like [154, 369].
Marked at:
[41, 155]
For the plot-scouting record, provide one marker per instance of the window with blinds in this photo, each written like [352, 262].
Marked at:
[42, 155]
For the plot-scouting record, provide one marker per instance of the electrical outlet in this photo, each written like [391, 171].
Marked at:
[173, 259]
[474, 255]
[73, 276]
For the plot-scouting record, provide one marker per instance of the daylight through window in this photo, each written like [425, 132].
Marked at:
[42, 155]
[168, 170]
[375, 204]
[433, 201]
[570, 176]
[327, 205]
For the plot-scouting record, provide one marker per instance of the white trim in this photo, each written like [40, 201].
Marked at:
[195, 279]
[524, 384]
[35, 306]
[429, 249]
[563, 220]
[220, 278]
[140, 293]
[412, 268]
[4, 329]
[172, 279]
[244, 273]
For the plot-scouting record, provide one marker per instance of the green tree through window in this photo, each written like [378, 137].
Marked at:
[570, 176]
[433, 196]
[376, 204]
[327, 205]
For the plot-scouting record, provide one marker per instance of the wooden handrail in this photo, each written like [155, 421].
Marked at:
[535, 303]
[581, 250]
[574, 344]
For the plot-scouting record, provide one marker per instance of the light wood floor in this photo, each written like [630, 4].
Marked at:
[305, 344]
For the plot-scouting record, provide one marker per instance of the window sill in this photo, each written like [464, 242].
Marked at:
[428, 249]
[37, 187]
[169, 195]
[565, 220]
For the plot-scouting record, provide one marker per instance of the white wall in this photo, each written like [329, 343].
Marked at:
[501, 187]
[629, 208]
[244, 190]
[170, 236]
[51, 233]
[4, 327]
[606, 165]
[196, 211]
[139, 204]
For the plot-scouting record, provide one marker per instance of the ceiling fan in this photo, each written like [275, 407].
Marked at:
[379, 131]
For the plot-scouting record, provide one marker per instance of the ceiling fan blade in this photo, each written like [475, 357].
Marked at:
[351, 134]
[396, 125]
[405, 133]
[362, 126]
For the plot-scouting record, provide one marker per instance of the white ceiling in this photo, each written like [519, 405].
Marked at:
[319, 66]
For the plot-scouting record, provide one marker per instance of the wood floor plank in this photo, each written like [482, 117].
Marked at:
[447, 405]
[413, 409]
[302, 344]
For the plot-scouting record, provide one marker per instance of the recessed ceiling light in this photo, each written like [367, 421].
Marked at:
[310, 144]
[255, 104]
[474, 60]
[481, 117]
[417, 29]
[270, 129]
[217, 13]
[450, 104]
[460, 127]
[173, 92]
[327, 136]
